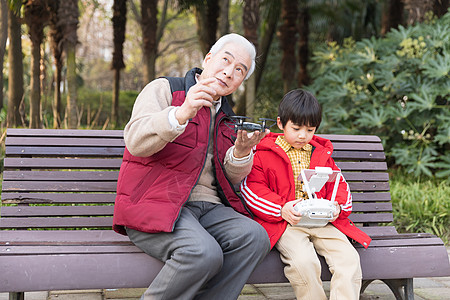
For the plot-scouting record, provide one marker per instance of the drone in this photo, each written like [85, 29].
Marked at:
[239, 123]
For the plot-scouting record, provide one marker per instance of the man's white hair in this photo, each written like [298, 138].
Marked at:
[240, 40]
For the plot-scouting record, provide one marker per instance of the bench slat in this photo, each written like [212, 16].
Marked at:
[11, 198]
[371, 196]
[65, 151]
[69, 163]
[109, 198]
[358, 155]
[110, 186]
[61, 186]
[379, 231]
[119, 133]
[49, 163]
[64, 142]
[43, 249]
[361, 166]
[358, 146]
[79, 222]
[46, 151]
[19, 237]
[372, 207]
[52, 211]
[113, 175]
[69, 249]
[371, 217]
[61, 175]
[351, 138]
[57, 146]
[23, 132]
[56, 237]
[407, 241]
[368, 186]
[365, 176]
[24, 273]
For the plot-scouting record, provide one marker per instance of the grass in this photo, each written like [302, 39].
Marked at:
[421, 205]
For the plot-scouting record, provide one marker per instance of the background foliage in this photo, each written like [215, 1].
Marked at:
[395, 87]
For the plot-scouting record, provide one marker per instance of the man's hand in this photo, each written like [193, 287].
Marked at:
[289, 214]
[199, 95]
[245, 142]
[337, 212]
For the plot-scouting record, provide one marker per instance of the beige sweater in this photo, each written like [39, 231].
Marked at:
[149, 130]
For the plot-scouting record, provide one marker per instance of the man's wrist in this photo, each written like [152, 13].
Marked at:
[241, 159]
[173, 120]
[239, 155]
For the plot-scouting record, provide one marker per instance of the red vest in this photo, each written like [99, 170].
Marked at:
[152, 190]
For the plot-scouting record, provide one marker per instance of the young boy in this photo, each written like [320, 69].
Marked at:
[272, 189]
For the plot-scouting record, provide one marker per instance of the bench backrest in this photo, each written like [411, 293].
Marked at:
[66, 179]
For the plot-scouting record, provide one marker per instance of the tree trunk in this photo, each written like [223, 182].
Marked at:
[15, 82]
[206, 15]
[417, 9]
[224, 23]
[267, 33]
[3, 38]
[72, 113]
[288, 40]
[35, 16]
[119, 21]
[57, 96]
[251, 23]
[56, 37]
[68, 14]
[440, 7]
[35, 88]
[149, 25]
[392, 15]
[303, 44]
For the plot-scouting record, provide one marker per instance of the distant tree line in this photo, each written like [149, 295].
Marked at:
[297, 26]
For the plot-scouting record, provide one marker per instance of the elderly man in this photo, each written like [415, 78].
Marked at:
[175, 196]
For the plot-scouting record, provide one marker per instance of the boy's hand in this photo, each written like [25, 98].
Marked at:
[289, 214]
[337, 212]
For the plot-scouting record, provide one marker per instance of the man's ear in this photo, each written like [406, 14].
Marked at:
[206, 59]
[279, 124]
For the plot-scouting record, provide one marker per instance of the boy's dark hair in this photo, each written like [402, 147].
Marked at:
[301, 108]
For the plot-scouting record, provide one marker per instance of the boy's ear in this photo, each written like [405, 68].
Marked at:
[279, 124]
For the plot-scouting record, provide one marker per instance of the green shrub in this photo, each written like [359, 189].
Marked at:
[396, 87]
[94, 108]
[420, 206]
[97, 104]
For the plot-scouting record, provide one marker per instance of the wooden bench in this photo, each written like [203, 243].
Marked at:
[57, 203]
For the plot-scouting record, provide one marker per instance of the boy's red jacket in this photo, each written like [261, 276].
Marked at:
[270, 185]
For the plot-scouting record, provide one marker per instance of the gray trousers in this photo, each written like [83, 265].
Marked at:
[210, 254]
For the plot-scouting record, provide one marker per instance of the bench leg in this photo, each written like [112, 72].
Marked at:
[17, 296]
[401, 288]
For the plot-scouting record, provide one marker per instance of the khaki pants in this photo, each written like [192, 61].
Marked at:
[298, 248]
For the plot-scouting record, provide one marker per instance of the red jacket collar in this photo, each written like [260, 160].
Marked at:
[268, 142]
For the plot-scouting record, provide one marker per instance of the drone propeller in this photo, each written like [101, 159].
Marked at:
[264, 122]
[239, 119]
